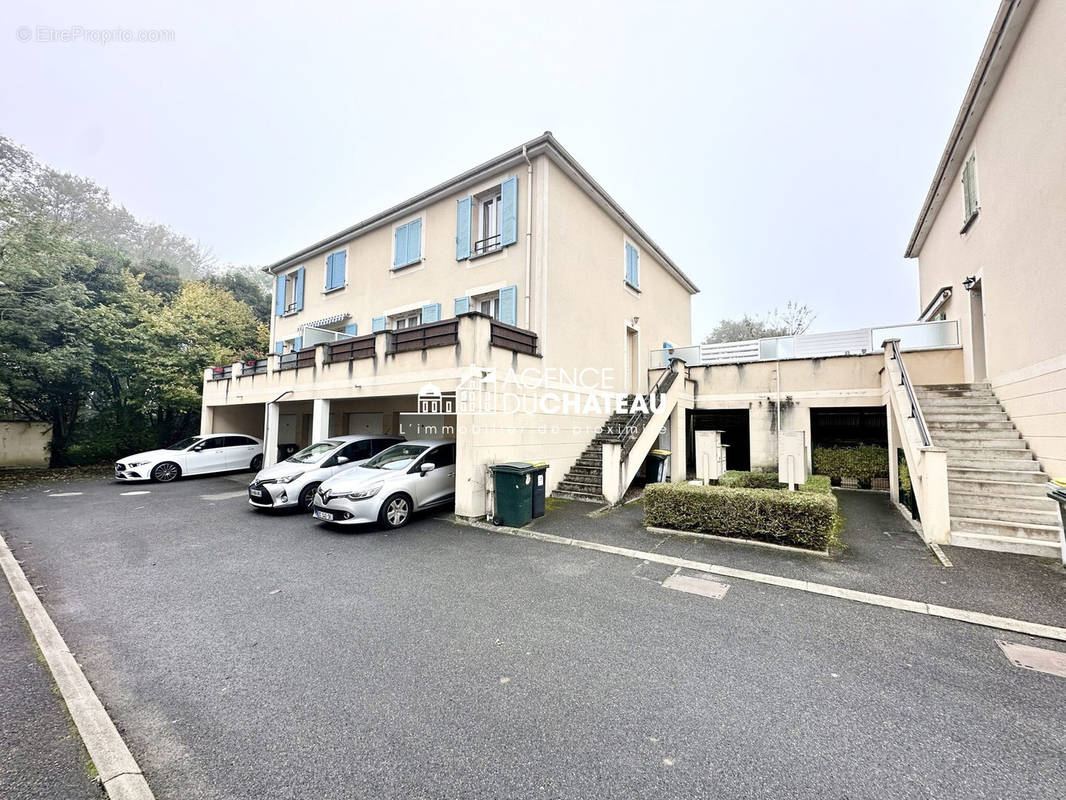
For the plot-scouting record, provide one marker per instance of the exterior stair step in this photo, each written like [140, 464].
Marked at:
[991, 460]
[953, 416]
[992, 474]
[1006, 440]
[1006, 513]
[971, 483]
[963, 425]
[967, 453]
[1005, 528]
[579, 496]
[1006, 544]
[997, 499]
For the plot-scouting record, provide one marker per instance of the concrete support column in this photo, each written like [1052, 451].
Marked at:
[611, 479]
[270, 434]
[893, 459]
[936, 516]
[207, 420]
[319, 420]
[678, 445]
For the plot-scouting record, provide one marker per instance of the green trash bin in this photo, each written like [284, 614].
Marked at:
[655, 466]
[514, 492]
[540, 486]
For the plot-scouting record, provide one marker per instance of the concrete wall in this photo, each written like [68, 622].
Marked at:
[805, 384]
[25, 444]
[1017, 244]
[589, 304]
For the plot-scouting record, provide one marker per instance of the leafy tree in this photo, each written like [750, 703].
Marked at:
[794, 320]
[247, 284]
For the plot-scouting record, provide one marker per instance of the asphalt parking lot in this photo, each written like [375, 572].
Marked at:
[246, 655]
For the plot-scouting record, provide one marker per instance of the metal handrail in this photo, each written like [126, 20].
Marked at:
[663, 384]
[905, 382]
[487, 244]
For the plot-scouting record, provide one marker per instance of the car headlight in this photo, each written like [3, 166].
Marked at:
[363, 494]
[132, 464]
[288, 478]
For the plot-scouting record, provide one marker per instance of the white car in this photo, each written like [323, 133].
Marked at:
[294, 481]
[197, 455]
[391, 486]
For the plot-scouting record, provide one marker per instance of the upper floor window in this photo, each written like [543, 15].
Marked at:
[336, 269]
[289, 293]
[632, 265]
[488, 221]
[970, 201]
[488, 304]
[409, 320]
[407, 244]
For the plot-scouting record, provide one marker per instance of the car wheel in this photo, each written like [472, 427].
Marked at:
[166, 472]
[257, 463]
[307, 496]
[395, 511]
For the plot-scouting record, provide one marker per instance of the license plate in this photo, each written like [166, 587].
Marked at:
[324, 515]
[255, 492]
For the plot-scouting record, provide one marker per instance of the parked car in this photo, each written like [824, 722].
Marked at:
[391, 486]
[294, 481]
[197, 455]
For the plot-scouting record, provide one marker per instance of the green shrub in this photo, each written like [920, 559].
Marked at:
[819, 484]
[749, 480]
[806, 519]
[862, 463]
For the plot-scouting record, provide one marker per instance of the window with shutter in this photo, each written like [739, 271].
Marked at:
[969, 189]
[632, 266]
[407, 244]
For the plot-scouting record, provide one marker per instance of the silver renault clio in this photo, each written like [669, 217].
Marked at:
[293, 481]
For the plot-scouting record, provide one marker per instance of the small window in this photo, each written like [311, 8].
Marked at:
[969, 188]
[407, 244]
[336, 268]
[489, 218]
[488, 304]
[291, 296]
[408, 320]
[632, 266]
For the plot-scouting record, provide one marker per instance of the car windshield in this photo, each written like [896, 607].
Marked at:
[184, 443]
[397, 457]
[311, 454]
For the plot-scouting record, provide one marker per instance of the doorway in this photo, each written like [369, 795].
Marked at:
[977, 331]
[632, 360]
[736, 433]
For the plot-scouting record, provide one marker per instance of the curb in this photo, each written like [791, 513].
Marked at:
[119, 774]
[1036, 629]
[737, 540]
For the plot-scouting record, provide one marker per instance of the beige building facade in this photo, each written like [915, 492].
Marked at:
[991, 239]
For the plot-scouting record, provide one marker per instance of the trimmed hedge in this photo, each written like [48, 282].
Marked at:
[820, 484]
[863, 463]
[749, 480]
[807, 518]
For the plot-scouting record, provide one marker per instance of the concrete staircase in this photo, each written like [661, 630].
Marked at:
[584, 481]
[996, 490]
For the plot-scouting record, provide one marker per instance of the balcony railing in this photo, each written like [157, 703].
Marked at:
[423, 337]
[861, 341]
[256, 367]
[301, 359]
[511, 338]
[222, 373]
[351, 349]
[487, 245]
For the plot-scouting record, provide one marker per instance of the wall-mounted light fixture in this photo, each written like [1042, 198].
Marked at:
[969, 282]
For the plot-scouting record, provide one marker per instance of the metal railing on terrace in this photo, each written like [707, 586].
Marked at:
[861, 341]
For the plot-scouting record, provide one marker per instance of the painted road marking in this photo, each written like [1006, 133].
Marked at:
[225, 495]
[131, 494]
[64, 494]
[701, 586]
[884, 601]
[1037, 659]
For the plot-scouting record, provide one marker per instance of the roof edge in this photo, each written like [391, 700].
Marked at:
[1006, 29]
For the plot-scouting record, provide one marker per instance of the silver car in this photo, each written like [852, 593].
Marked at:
[293, 481]
[391, 486]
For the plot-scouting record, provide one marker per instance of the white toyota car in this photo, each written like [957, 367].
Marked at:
[197, 455]
[391, 486]
[294, 481]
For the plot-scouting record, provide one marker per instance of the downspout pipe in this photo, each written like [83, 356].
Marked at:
[529, 233]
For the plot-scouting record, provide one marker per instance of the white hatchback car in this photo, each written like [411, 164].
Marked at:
[391, 486]
[197, 455]
[294, 481]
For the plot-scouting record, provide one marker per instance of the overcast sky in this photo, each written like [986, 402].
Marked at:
[775, 150]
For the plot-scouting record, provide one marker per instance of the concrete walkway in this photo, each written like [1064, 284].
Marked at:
[42, 755]
[883, 555]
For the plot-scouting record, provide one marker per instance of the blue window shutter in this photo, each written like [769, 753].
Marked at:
[279, 295]
[508, 305]
[400, 256]
[462, 305]
[414, 240]
[632, 265]
[300, 289]
[340, 262]
[329, 272]
[377, 324]
[352, 328]
[279, 347]
[509, 211]
[462, 230]
[431, 313]
[298, 343]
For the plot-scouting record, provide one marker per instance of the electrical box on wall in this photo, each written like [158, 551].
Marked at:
[792, 458]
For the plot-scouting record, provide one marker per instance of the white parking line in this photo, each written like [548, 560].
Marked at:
[64, 494]
[225, 495]
[131, 494]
